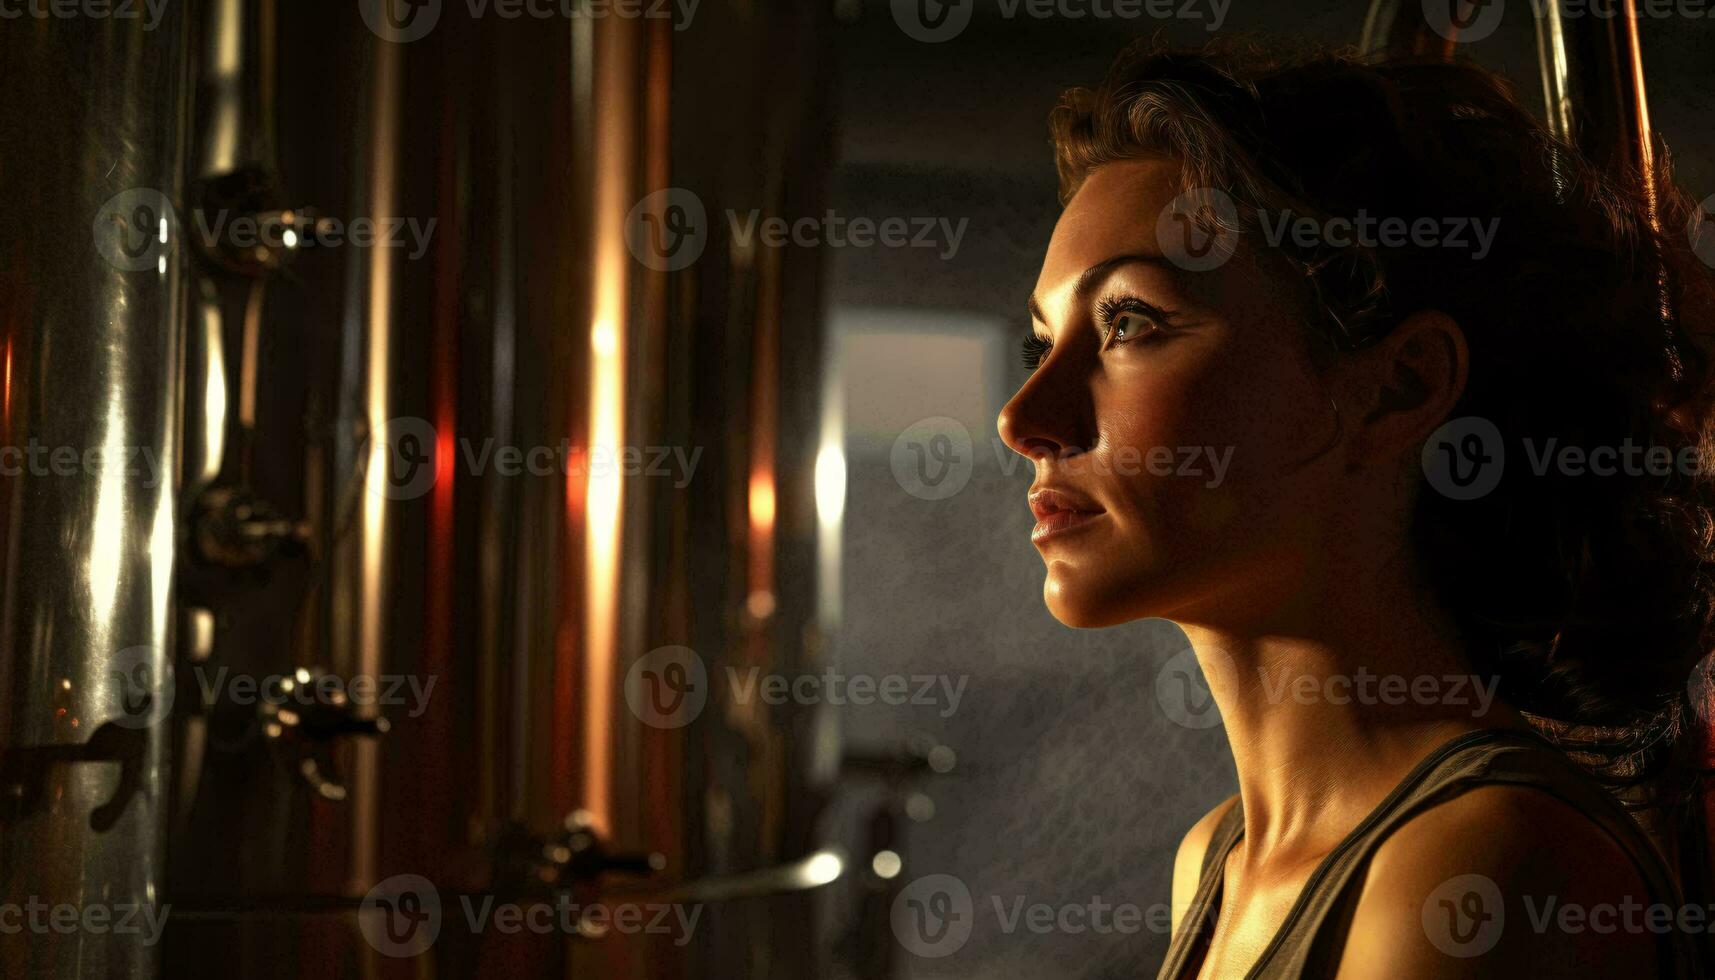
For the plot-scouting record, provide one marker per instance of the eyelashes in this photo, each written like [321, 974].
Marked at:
[1034, 349]
[1118, 320]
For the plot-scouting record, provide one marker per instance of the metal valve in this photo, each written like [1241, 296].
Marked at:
[234, 528]
[303, 728]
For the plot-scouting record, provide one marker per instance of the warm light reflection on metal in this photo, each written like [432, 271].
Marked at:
[613, 88]
[249, 357]
[1556, 70]
[1640, 105]
[226, 64]
[822, 868]
[107, 537]
[161, 545]
[830, 517]
[214, 394]
[762, 501]
[384, 141]
[760, 604]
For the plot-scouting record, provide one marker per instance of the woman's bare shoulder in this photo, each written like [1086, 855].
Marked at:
[1501, 881]
[1188, 861]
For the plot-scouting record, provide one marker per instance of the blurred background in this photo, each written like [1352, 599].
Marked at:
[505, 485]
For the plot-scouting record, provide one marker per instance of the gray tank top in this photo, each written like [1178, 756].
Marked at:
[1309, 942]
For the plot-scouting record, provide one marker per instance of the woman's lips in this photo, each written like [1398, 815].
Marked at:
[1060, 512]
[1061, 522]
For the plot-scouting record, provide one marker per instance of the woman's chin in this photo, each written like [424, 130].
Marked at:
[1086, 605]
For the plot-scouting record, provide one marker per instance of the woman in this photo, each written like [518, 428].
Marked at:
[1432, 341]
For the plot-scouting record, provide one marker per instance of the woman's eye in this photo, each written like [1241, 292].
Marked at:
[1129, 319]
[1127, 325]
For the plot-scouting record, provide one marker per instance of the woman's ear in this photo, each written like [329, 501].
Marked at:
[1403, 387]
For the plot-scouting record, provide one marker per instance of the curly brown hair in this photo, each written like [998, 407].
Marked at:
[1589, 597]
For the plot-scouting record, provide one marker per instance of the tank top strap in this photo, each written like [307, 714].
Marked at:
[1228, 830]
[1310, 940]
[1199, 921]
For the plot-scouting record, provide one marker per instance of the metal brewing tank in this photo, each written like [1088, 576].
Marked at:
[320, 407]
[91, 318]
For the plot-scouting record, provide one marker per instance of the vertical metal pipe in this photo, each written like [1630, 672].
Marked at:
[1556, 66]
[614, 131]
[91, 305]
[1593, 80]
[371, 580]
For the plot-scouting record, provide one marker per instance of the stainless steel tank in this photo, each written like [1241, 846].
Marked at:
[460, 464]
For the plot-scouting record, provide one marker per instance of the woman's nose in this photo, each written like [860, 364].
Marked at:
[1048, 417]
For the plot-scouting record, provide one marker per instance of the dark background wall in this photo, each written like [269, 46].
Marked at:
[1077, 772]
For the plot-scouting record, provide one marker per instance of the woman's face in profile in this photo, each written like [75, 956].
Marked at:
[1185, 447]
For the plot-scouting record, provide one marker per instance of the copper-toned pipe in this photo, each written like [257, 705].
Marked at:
[614, 93]
[1593, 79]
[1593, 82]
[659, 808]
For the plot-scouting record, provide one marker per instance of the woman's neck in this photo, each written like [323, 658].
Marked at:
[1328, 709]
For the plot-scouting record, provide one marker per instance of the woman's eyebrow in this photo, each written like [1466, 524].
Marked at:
[1093, 277]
